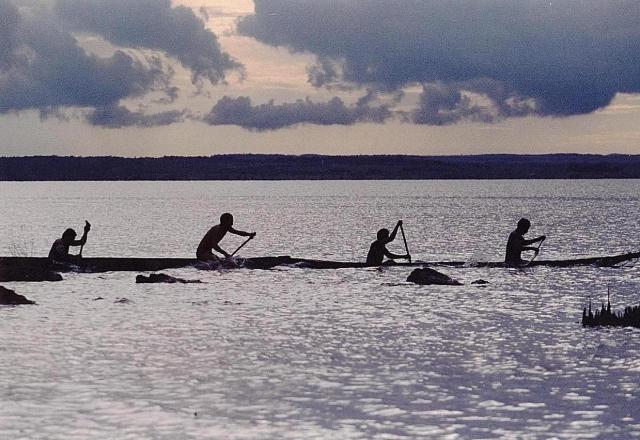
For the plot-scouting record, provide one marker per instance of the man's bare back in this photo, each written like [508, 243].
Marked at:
[210, 241]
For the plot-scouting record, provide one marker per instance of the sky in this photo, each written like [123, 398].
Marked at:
[428, 77]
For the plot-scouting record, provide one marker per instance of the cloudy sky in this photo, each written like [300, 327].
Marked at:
[201, 77]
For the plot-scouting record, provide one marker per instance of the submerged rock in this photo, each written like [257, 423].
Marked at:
[10, 298]
[426, 276]
[162, 278]
[480, 282]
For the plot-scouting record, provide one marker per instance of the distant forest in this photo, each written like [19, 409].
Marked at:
[317, 167]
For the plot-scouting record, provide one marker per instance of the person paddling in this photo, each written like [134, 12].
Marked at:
[516, 244]
[60, 249]
[211, 239]
[378, 249]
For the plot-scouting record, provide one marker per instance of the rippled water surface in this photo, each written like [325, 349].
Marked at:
[335, 354]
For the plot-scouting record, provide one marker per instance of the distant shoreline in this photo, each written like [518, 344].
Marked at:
[320, 167]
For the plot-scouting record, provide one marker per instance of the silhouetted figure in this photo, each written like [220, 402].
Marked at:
[517, 244]
[378, 249]
[211, 239]
[60, 249]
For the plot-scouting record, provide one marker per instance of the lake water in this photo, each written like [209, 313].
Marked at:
[335, 354]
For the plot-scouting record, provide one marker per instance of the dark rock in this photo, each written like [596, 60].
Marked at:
[162, 278]
[122, 301]
[426, 276]
[480, 281]
[11, 298]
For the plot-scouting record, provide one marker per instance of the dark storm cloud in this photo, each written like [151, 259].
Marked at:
[560, 57]
[152, 24]
[447, 103]
[270, 116]
[117, 116]
[43, 67]
[443, 105]
[48, 69]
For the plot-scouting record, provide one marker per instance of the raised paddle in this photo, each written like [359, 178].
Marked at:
[87, 228]
[405, 243]
[242, 245]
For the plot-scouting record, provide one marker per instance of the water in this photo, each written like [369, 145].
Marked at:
[341, 354]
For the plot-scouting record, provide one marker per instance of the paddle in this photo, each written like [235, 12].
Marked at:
[536, 254]
[241, 246]
[87, 228]
[405, 243]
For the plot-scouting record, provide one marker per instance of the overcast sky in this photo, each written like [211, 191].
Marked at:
[189, 77]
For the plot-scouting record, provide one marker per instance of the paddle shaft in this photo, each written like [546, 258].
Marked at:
[536, 254]
[86, 223]
[241, 246]
[405, 242]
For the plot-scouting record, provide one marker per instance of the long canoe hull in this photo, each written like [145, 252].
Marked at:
[41, 269]
[38, 269]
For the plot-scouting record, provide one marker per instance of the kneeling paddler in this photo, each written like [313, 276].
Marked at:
[211, 240]
[516, 244]
[378, 249]
[59, 252]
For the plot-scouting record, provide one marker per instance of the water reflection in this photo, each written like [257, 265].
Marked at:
[353, 354]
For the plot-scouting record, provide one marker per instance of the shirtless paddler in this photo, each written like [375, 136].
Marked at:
[211, 239]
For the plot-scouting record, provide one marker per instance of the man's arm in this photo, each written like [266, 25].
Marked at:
[531, 248]
[83, 239]
[395, 231]
[533, 240]
[80, 242]
[242, 233]
[217, 248]
[394, 256]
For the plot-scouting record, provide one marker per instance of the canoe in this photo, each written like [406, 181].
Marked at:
[9, 265]
[41, 269]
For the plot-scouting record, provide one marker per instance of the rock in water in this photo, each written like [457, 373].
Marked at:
[480, 282]
[11, 298]
[162, 278]
[426, 276]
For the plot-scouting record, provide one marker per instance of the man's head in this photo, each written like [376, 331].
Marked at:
[226, 220]
[383, 234]
[524, 225]
[69, 236]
